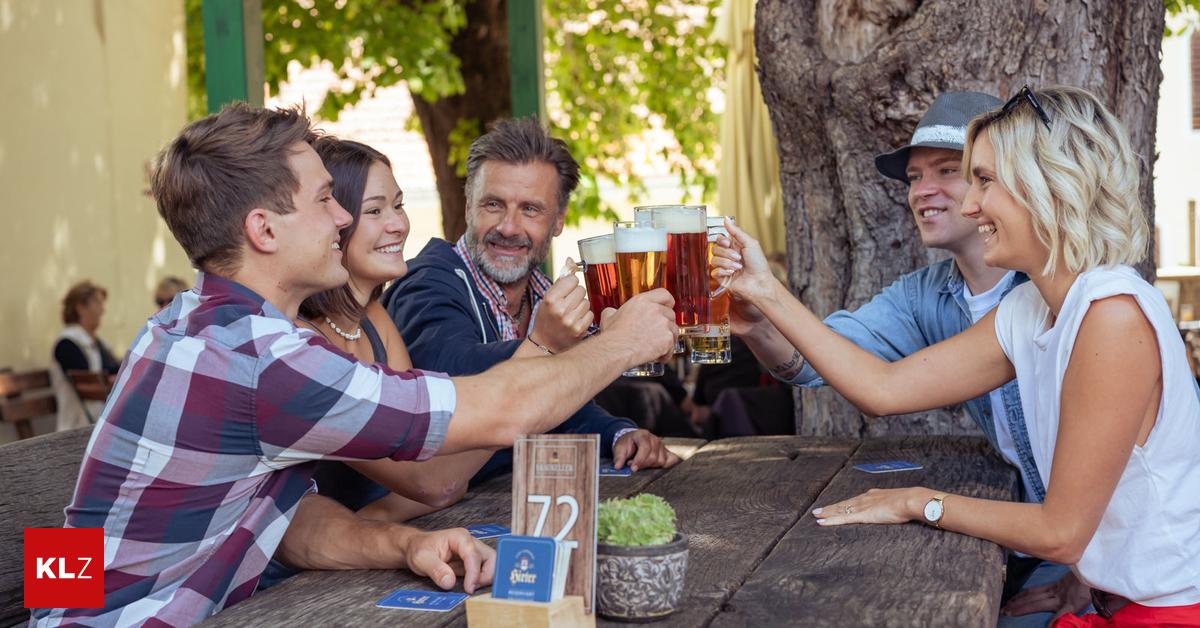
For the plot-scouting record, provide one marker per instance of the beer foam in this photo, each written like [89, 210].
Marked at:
[675, 218]
[639, 239]
[598, 250]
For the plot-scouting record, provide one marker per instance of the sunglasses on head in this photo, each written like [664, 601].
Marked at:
[1026, 95]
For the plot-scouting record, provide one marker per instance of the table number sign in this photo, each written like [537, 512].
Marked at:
[555, 491]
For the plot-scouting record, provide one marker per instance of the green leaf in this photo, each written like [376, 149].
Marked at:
[642, 520]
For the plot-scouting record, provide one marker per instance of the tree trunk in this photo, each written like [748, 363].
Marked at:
[482, 48]
[847, 79]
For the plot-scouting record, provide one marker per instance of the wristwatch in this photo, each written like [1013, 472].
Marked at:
[934, 509]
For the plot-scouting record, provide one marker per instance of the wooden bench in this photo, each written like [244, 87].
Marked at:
[90, 385]
[37, 478]
[24, 397]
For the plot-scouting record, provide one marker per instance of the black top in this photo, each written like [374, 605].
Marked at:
[377, 348]
[70, 357]
[335, 479]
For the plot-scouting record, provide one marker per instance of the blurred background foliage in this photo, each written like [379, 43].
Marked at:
[613, 70]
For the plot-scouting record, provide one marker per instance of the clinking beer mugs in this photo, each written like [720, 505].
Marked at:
[687, 263]
[701, 303]
[664, 246]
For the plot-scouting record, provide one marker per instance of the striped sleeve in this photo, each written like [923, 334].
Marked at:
[313, 401]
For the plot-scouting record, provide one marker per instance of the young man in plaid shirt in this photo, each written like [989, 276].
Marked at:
[199, 469]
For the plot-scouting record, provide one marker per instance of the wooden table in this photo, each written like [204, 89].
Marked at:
[757, 557]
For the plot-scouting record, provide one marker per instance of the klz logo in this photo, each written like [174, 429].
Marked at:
[64, 567]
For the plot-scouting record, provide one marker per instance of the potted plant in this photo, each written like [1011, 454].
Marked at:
[641, 559]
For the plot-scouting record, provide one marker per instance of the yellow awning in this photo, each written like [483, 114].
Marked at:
[748, 180]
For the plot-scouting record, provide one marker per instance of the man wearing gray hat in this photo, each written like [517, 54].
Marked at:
[932, 304]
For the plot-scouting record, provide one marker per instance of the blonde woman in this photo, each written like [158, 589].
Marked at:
[1110, 405]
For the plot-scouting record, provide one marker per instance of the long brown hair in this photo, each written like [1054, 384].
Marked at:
[349, 163]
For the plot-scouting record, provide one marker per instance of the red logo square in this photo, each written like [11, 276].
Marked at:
[64, 567]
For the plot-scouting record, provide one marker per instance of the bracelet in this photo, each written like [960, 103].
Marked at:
[539, 345]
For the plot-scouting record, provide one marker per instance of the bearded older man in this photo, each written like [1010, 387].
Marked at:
[465, 307]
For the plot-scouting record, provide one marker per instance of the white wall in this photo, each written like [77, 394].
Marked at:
[1177, 170]
[91, 92]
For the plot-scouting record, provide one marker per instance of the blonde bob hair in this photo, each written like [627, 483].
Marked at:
[1078, 179]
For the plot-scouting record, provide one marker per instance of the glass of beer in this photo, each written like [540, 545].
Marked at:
[687, 261]
[641, 252]
[599, 259]
[710, 339]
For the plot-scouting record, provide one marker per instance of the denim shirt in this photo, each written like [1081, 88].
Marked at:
[921, 309]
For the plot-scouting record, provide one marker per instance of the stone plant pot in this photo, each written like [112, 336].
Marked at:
[640, 583]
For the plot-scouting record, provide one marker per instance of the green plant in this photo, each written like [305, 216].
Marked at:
[643, 520]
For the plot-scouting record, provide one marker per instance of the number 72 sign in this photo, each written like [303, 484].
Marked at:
[555, 493]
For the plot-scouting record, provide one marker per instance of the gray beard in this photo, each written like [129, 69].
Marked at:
[504, 275]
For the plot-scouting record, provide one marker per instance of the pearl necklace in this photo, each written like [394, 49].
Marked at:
[354, 335]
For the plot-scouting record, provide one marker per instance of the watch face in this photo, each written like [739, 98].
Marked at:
[933, 510]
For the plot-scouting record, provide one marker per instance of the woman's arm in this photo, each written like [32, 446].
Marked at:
[435, 483]
[960, 368]
[1110, 399]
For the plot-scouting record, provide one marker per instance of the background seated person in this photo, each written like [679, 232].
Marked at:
[78, 348]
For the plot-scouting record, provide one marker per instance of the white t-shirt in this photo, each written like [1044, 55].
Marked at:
[1147, 546]
[980, 306]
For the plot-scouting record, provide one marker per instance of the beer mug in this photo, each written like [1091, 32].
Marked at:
[599, 265]
[710, 338]
[687, 261]
[641, 258]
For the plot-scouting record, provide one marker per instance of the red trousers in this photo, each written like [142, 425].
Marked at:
[1137, 616]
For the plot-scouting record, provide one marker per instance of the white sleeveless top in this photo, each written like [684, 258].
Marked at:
[1147, 547]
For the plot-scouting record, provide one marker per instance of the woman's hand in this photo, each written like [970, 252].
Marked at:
[1068, 595]
[741, 266]
[878, 505]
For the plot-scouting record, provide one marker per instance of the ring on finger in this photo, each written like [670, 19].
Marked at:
[848, 509]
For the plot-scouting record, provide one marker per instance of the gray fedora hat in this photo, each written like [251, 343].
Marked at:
[943, 126]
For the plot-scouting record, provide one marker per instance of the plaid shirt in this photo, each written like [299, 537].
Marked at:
[497, 303]
[204, 450]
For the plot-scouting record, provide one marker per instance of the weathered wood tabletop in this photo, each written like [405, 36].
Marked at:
[757, 557]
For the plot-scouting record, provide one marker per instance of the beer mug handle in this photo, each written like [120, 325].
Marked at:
[721, 288]
[570, 267]
[724, 284]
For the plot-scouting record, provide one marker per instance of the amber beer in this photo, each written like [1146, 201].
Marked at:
[641, 252]
[687, 259]
[600, 273]
[710, 340]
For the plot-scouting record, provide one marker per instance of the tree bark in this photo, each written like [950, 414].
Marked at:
[482, 49]
[847, 79]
